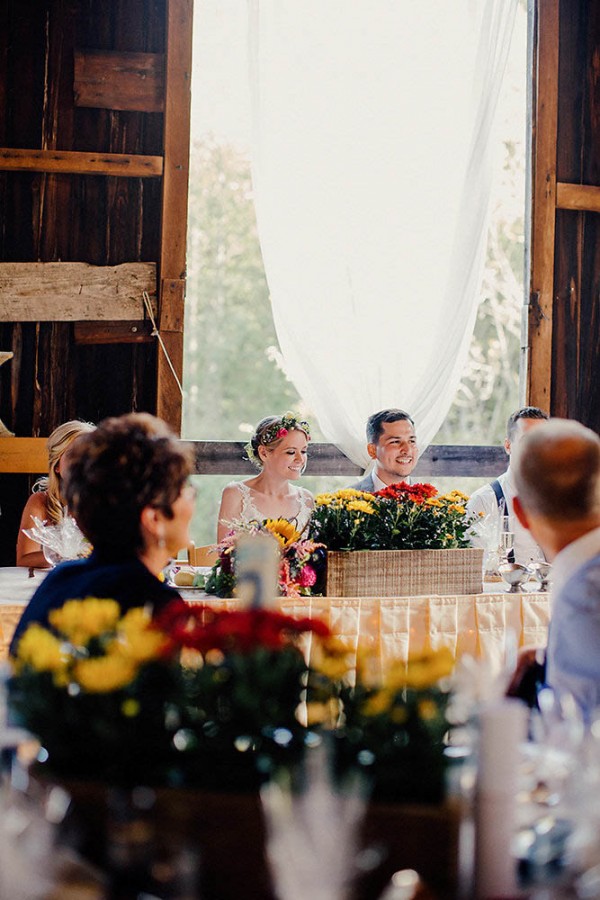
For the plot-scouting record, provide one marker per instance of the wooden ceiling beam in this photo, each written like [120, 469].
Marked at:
[74, 162]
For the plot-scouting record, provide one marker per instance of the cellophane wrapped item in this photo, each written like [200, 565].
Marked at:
[61, 541]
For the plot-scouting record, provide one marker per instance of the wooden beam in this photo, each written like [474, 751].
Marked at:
[28, 455]
[135, 332]
[582, 197]
[72, 162]
[178, 75]
[67, 292]
[119, 80]
[438, 460]
[23, 455]
[539, 364]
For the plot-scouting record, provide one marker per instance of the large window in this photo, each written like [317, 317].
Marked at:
[233, 371]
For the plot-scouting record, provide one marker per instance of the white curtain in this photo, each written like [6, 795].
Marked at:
[371, 169]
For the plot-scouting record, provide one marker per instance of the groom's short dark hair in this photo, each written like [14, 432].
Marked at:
[376, 422]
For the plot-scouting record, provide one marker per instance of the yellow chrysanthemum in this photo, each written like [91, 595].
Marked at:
[41, 650]
[330, 657]
[377, 704]
[82, 620]
[433, 501]
[103, 674]
[457, 508]
[323, 499]
[352, 494]
[324, 713]
[283, 530]
[361, 506]
[427, 709]
[455, 497]
[421, 671]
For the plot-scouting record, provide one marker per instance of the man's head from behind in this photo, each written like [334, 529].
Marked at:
[520, 422]
[392, 443]
[556, 471]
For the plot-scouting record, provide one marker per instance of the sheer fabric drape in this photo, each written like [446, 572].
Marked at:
[371, 169]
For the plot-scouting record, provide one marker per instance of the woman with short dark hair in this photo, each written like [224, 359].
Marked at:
[126, 484]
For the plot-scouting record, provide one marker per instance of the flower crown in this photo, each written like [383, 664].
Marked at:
[276, 431]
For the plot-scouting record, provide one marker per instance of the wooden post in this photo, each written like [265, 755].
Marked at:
[543, 222]
[178, 76]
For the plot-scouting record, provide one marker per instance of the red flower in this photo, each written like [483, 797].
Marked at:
[238, 631]
[407, 493]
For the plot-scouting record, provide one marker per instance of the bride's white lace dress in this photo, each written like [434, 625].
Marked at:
[251, 513]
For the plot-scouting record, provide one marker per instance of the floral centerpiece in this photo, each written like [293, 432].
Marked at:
[394, 728]
[195, 697]
[207, 703]
[400, 517]
[298, 568]
[426, 536]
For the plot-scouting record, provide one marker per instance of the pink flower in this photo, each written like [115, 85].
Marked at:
[308, 576]
[282, 432]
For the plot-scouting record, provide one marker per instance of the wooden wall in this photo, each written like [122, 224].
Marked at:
[564, 313]
[94, 145]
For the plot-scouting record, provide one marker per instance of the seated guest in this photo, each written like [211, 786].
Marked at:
[493, 502]
[127, 486]
[279, 448]
[392, 443]
[47, 502]
[556, 471]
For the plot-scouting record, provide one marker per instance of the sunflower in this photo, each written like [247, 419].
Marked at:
[283, 530]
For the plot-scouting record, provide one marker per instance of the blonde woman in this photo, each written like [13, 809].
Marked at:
[46, 502]
[278, 448]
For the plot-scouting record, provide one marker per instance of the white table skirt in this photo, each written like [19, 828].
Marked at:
[392, 627]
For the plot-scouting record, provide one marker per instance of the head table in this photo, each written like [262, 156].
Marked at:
[481, 625]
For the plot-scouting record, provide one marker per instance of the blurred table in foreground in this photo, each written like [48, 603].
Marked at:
[392, 627]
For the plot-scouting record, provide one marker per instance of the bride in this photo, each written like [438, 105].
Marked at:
[278, 448]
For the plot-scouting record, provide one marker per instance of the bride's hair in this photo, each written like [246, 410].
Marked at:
[270, 431]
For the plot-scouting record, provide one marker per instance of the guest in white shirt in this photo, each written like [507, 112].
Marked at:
[493, 502]
[557, 480]
[392, 443]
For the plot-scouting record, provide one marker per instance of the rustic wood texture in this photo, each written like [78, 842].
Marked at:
[576, 323]
[23, 455]
[174, 206]
[79, 184]
[583, 197]
[229, 458]
[126, 81]
[543, 212]
[67, 292]
[77, 163]
[135, 332]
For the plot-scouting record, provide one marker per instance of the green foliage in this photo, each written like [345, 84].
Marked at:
[232, 373]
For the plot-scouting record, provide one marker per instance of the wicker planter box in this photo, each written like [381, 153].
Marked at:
[402, 573]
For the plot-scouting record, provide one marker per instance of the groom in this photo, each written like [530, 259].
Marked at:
[392, 443]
